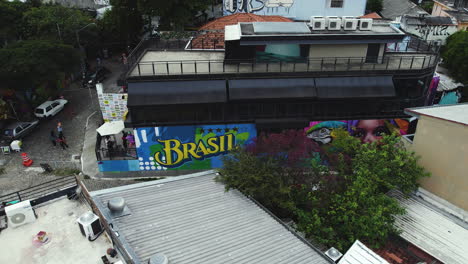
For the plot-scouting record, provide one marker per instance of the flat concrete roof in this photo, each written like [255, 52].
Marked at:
[192, 219]
[66, 245]
[457, 113]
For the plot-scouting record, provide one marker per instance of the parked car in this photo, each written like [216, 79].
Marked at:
[18, 130]
[96, 77]
[50, 108]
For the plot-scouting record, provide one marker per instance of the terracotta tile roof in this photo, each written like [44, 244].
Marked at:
[212, 34]
[221, 22]
[373, 15]
[209, 40]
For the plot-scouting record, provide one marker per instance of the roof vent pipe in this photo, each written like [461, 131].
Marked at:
[158, 258]
[116, 205]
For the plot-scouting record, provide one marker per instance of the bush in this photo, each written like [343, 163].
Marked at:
[350, 202]
[455, 56]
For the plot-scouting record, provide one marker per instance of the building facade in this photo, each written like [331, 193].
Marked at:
[187, 107]
[456, 9]
[296, 9]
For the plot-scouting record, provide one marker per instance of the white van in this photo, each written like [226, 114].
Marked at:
[50, 108]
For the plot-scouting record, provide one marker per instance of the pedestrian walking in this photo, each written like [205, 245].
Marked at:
[61, 140]
[124, 139]
[59, 128]
[53, 138]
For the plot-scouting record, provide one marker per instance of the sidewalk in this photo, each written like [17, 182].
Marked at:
[89, 165]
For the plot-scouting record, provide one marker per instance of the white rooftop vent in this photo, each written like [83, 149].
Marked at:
[333, 23]
[350, 23]
[365, 23]
[334, 254]
[317, 23]
[117, 207]
[158, 259]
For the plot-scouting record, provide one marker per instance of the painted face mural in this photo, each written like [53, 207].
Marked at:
[189, 147]
[366, 130]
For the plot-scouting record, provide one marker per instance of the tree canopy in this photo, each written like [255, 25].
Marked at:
[455, 55]
[336, 194]
[374, 5]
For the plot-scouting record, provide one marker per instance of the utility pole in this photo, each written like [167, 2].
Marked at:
[83, 66]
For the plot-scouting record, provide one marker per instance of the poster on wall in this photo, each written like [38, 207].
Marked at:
[367, 131]
[189, 147]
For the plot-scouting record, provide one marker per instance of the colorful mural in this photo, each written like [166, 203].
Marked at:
[189, 147]
[366, 130]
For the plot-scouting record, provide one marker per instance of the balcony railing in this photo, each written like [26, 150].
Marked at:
[390, 62]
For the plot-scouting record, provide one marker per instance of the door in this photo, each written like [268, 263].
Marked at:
[373, 53]
[56, 108]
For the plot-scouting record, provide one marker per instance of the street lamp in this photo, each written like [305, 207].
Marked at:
[80, 47]
[83, 70]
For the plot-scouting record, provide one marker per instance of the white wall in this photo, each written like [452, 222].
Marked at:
[295, 9]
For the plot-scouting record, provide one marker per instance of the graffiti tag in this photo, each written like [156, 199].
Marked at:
[434, 30]
[251, 6]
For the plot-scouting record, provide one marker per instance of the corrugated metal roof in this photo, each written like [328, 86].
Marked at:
[191, 219]
[358, 253]
[432, 231]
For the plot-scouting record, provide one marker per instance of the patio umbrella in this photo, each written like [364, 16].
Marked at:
[111, 128]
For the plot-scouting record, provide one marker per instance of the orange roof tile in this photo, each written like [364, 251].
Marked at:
[221, 22]
[373, 15]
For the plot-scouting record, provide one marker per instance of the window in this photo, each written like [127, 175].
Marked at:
[336, 3]
[48, 108]
[55, 104]
[18, 129]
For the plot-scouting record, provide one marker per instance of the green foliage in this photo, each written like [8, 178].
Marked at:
[56, 22]
[123, 23]
[350, 201]
[258, 177]
[177, 13]
[427, 6]
[32, 63]
[374, 5]
[455, 56]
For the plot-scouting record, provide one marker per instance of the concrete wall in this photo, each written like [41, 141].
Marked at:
[294, 9]
[337, 50]
[443, 148]
[431, 32]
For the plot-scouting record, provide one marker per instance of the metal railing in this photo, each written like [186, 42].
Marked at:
[42, 192]
[389, 62]
[118, 153]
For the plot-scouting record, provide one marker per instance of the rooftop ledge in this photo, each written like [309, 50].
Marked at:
[164, 63]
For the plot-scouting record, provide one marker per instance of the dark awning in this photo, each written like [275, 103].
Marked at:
[355, 87]
[271, 88]
[176, 92]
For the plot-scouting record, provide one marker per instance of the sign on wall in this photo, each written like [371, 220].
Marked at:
[189, 147]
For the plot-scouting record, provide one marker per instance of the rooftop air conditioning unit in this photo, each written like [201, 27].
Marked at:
[350, 23]
[20, 214]
[317, 23]
[333, 23]
[365, 24]
[90, 225]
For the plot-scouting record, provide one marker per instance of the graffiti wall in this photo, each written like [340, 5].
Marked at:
[366, 130]
[189, 147]
[295, 9]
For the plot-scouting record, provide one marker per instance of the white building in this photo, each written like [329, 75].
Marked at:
[296, 9]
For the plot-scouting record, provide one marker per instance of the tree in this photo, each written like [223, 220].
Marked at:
[11, 20]
[455, 56]
[428, 6]
[174, 13]
[267, 169]
[122, 23]
[374, 5]
[350, 202]
[56, 22]
[30, 64]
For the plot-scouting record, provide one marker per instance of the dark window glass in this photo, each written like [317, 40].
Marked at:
[336, 3]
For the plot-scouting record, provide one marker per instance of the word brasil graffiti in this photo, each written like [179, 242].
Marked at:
[366, 130]
[189, 147]
[181, 152]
